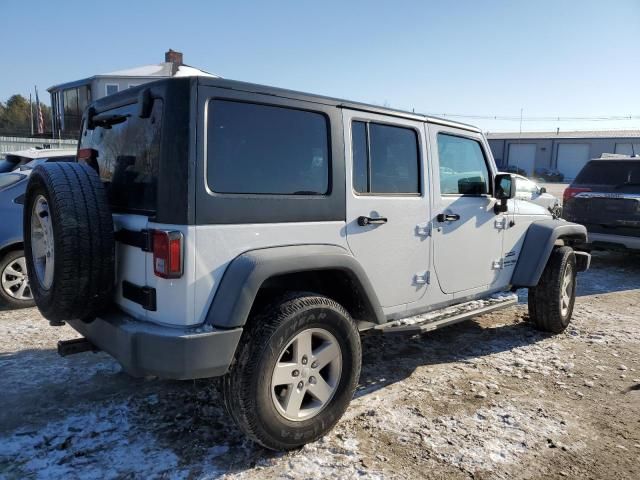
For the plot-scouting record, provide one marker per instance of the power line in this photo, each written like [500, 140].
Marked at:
[603, 118]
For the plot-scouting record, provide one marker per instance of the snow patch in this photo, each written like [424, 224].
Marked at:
[89, 445]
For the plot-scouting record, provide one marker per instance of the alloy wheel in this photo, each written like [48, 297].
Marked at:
[306, 375]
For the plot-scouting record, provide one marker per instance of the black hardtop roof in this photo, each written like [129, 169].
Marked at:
[125, 96]
[614, 159]
[325, 100]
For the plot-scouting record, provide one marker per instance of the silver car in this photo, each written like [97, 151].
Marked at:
[531, 192]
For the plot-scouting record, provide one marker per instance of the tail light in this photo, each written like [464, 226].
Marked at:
[167, 254]
[87, 154]
[571, 192]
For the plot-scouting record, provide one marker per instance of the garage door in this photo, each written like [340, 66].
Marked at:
[571, 158]
[523, 155]
[628, 148]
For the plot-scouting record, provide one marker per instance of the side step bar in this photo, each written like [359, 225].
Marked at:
[448, 316]
[77, 345]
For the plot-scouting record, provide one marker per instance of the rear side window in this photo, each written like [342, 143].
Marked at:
[463, 169]
[126, 155]
[262, 149]
[609, 172]
[385, 159]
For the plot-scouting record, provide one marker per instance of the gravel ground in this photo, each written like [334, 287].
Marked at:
[489, 398]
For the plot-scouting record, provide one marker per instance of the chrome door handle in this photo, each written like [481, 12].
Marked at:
[448, 217]
[364, 221]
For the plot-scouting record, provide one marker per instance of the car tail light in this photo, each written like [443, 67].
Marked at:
[87, 154]
[571, 192]
[167, 254]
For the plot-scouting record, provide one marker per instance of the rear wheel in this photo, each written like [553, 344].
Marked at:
[14, 282]
[551, 301]
[296, 370]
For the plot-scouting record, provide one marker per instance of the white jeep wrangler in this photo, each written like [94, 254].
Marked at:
[219, 228]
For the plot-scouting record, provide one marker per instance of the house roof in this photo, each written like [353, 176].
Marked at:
[154, 70]
[573, 134]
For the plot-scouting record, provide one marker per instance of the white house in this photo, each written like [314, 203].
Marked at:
[68, 100]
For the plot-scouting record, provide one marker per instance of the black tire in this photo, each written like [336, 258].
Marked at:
[546, 308]
[247, 388]
[83, 243]
[6, 298]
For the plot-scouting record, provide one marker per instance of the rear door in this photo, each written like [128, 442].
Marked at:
[468, 234]
[387, 212]
[126, 156]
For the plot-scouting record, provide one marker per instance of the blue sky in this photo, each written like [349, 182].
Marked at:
[575, 58]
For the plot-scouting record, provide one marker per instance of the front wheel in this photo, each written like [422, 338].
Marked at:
[295, 373]
[551, 301]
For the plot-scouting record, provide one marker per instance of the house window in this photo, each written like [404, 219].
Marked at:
[111, 88]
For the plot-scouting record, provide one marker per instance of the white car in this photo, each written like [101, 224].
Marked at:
[531, 192]
[16, 159]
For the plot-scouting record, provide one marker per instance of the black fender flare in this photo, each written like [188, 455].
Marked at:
[246, 273]
[538, 244]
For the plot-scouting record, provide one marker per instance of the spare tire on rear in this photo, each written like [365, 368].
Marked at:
[69, 244]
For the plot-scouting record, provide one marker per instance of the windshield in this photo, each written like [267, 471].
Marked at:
[610, 172]
[126, 155]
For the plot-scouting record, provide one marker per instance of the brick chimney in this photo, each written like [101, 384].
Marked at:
[174, 57]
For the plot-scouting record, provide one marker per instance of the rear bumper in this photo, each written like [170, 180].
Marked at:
[144, 348]
[604, 240]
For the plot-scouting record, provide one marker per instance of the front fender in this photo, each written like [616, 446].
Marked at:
[246, 273]
[538, 244]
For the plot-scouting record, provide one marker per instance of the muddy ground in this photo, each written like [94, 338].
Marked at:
[489, 398]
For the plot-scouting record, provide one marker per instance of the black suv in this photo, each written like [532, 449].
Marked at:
[605, 197]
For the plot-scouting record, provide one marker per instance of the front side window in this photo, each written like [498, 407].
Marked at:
[463, 169]
[262, 149]
[385, 159]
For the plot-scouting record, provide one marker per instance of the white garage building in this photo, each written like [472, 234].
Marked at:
[564, 151]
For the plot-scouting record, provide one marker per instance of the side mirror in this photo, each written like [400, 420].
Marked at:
[504, 189]
[543, 190]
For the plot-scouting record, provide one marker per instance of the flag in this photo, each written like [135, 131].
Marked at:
[39, 116]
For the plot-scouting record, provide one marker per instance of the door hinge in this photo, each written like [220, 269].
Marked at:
[423, 229]
[142, 239]
[422, 278]
[497, 264]
[501, 223]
